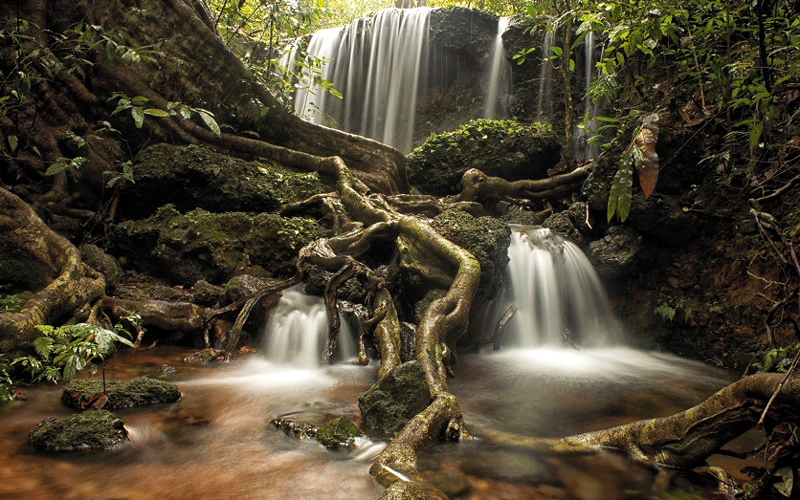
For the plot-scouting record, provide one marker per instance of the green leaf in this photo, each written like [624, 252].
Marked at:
[13, 142]
[24, 85]
[111, 51]
[558, 51]
[138, 116]
[786, 484]
[755, 134]
[57, 167]
[156, 112]
[210, 122]
[139, 100]
[572, 65]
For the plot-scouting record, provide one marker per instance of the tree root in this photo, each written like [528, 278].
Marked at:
[26, 239]
[477, 185]
[686, 439]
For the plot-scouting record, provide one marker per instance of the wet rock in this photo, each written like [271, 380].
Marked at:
[120, 393]
[618, 254]
[206, 294]
[199, 177]
[570, 223]
[391, 402]
[663, 219]
[462, 29]
[103, 263]
[90, 430]
[204, 357]
[337, 432]
[240, 287]
[486, 238]
[351, 290]
[199, 245]
[500, 148]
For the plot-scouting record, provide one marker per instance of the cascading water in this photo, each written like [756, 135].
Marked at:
[583, 149]
[499, 76]
[297, 331]
[544, 108]
[381, 65]
[558, 295]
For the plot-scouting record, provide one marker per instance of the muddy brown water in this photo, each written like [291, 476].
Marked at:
[216, 442]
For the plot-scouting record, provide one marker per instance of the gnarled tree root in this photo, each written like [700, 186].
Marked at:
[684, 440]
[74, 285]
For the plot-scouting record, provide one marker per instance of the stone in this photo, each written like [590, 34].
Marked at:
[392, 401]
[90, 430]
[337, 432]
[121, 394]
[499, 148]
[618, 254]
[199, 177]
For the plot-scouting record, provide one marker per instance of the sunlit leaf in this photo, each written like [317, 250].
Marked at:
[210, 122]
[138, 116]
[156, 112]
[13, 142]
[646, 156]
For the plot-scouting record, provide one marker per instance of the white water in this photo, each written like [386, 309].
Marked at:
[544, 109]
[499, 76]
[297, 331]
[558, 295]
[380, 65]
[584, 150]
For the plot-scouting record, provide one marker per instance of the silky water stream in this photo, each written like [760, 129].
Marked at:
[216, 442]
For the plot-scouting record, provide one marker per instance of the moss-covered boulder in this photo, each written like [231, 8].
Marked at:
[90, 430]
[486, 238]
[121, 394]
[500, 148]
[199, 244]
[389, 403]
[197, 176]
[337, 432]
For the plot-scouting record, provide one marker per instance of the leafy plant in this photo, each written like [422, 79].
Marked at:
[640, 153]
[63, 351]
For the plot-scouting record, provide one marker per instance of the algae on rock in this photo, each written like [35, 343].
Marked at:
[121, 394]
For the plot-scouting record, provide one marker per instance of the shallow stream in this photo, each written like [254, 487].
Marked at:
[216, 442]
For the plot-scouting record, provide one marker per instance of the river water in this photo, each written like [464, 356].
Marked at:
[216, 442]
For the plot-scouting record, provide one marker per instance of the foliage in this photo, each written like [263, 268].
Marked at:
[641, 153]
[63, 351]
[774, 359]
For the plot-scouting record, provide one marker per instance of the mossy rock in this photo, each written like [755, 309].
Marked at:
[197, 176]
[199, 244]
[90, 430]
[121, 394]
[486, 238]
[465, 30]
[499, 148]
[337, 432]
[392, 401]
[103, 263]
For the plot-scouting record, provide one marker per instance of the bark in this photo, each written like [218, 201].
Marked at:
[66, 286]
[686, 439]
[477, 185]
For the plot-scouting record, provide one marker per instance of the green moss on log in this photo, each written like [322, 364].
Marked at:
[121, 394]
[337, 432]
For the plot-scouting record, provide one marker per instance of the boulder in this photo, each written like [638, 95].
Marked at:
[90, 430]
[120, 393]
[199, 177]
[199, 244]
[618, 254]
[499, 148]
[103, 263]
[337, 432]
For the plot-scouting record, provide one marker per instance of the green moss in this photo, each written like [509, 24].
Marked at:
[500, 148]
[121, 394]
[337, 432]
[486, 238]
[212, 246]
[90, 430]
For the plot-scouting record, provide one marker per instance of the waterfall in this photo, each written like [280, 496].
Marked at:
[297, 331]
[380, 65]
[584, 150]
[499, 76]
[558, 294]
[310, 99]
[544, 109]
